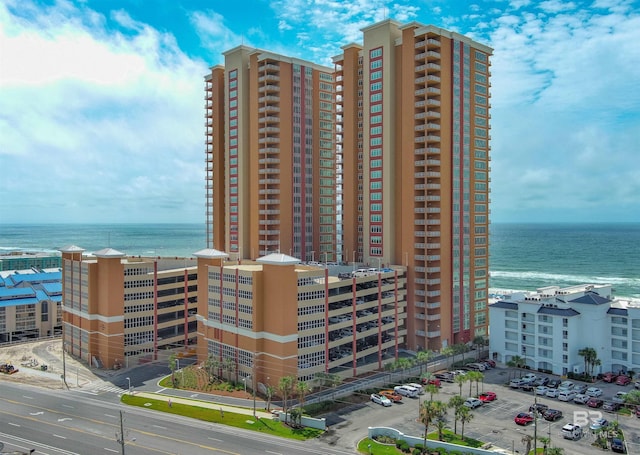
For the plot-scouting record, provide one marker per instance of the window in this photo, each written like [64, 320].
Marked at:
[375, 53]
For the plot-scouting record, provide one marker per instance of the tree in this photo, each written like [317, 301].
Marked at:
[456, 402]
[269, 393]
[432, 389]
[594, 364]
[211, 365]
[448, 351]
[479, 342]
[285, 386]
[465, 416]
[423, 357]
[460, 379]
[229, 366]
[632, 398]
[296, 416]
[429, 412]
[516, 362]
[545, 442]
[527, 440]
[589, 355]
[302, 388]
[477, 377]
[173, 366]
[441, 423]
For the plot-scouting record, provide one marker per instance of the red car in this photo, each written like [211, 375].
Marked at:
[487, 396]
[609, 377]
[595, 402]
[490, 362]
[523, 418]
[623, 380]
[433, 381]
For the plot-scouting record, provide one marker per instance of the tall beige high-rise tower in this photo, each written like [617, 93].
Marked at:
[383, 159]
[270, 156]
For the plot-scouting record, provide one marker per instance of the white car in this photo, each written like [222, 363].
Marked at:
[619, 397]
[542, 390]
[566, 395]
[594, 392]
[380, 399]
[552, 393]
[571, 431]
[529, 377]
[472, 403]
[516, 383]
[581, 398]
[567, 385]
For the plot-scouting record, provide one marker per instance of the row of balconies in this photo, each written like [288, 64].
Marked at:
[429, 42]
[269, 77]
[268, 88]
[268, 171]
[269, 140]
[427, 90]
[269, 67]
[419, 175]
[427, 138]
[429, 78]
[269, 232]
[269, 161]
[427, 126]
[427, 150]
[428, 102]
[427, 66]
[427, 162]
[269, 150]
[268, 98]
[427, 55]
[268, 108]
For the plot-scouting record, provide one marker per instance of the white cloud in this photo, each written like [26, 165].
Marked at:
[93, 116]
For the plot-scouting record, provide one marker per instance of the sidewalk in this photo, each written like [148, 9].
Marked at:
[204, 404]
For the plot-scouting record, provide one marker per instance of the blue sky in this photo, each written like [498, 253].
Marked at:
[102, 109]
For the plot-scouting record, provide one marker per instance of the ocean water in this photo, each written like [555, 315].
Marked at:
[523, 256]
[529, 256]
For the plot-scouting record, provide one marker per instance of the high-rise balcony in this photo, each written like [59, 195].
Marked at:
[269, 160]
[269, 77]
[268, 171]
[269, 108]
[433, 233]
[268, 88]
[269, 150]
[269, 130]
[268, 99]
[269, 140]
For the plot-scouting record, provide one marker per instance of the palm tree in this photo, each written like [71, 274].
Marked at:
[423, 357]
[441, 423]
[479, 341]
[448, 351]
[465, 416]
[478, 377]
[515, 362]
[269, 393]
[473, 376]
[589, 355]
[428, 413]
[302, 388]
[456, 402]
[285, 385]
[526, 440]
[229, 366]
[545, 441]
[432, 389]
[594, 364]
[211, 365]
[460, 379]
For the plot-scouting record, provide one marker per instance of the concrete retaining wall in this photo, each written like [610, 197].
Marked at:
[413, 440]
[319, 424]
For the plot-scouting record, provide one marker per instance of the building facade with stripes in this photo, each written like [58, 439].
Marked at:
[120, 311]
[382, 159]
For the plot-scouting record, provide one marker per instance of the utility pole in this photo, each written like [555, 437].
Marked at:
[535, 423]
[120, 439]
[64, 365]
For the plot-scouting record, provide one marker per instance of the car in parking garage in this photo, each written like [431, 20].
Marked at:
[553, 383]
[542, 390]
[552, 393]
[581, 398]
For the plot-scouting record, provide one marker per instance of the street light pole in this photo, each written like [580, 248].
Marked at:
[129, 379]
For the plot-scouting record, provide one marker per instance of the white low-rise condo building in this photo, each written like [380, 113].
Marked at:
[549, 327]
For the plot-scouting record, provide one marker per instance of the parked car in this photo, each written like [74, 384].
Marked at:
[566, 395]
[567, 385]
[595, 402]
[516, 383]
[611, 406]
[552, 415]
[476, 366]
[580, 388]
[541, 390]
[406, 391]
[390, 394]
[581, 398]
[617, 445]
[490, 362]
[418, 387]
[446, 377]
[623, 380]
[594, 392]
[609, 377]
[636, 384]
[552, 393]
[619, 397]
[472, 403]
[571, 431]
[529, 377]
[528, 386]
[523, 419]
[487, 396]
[598, 424]
[433, 381]
[539, 407]
[553, 383]
[380, 399]
[541, 381]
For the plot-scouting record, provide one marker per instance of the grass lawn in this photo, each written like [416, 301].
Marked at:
[247, 422]
[376, 448]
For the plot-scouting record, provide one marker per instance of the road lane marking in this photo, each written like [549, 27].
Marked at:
[158, 426]
[110, 450]
[14, 424]
[59, 436]
[109, 415]
[215, 439]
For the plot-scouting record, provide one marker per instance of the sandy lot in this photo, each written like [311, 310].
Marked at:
[28, 358]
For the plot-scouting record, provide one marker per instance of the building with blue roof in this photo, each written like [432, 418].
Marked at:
[548, 328]
[30, 305]
[25, 260]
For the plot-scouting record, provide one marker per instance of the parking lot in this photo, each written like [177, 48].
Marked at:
[494, 421]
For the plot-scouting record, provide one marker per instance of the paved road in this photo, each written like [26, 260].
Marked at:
[59, 423]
